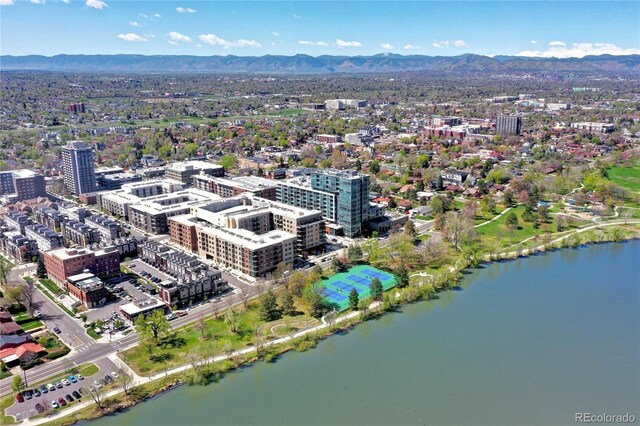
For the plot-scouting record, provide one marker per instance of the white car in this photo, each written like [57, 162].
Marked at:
[97, 384]
[65, 382]
[114, 374]
[51, 387]
[37, 314]
[79, 376]
[54, 404]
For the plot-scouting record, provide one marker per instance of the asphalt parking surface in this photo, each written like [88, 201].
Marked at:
[23, 410]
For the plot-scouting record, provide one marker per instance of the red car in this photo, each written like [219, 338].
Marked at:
[19, 397]
[62, 402]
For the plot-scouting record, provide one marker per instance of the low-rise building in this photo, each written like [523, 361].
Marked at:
[18, 247]
[79, 233]
[63, 263]
[17, 221]
[88, 289]
[193, 279]
[225, 188]
[592, 127]
[48, 216]
[109, 229]
[22, 184]
[133, 310]
[45, 237]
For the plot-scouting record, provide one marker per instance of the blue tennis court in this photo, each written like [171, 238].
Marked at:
[338, 287]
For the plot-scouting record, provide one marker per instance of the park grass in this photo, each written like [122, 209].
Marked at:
[627, 177]
[288, 112]
[4, 404]
[499, 230]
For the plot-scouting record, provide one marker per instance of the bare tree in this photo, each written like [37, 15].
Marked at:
[125, 380]
[457, 229]
[97, 395]
[202, 325]
[625, 215]
[244, 296]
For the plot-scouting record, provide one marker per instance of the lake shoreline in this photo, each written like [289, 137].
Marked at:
[308, 341]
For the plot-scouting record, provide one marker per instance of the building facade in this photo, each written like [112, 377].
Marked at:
[183, 171]
[45, 237]
[507, 125]
[63, 263]
[78, 168]
[22, 184]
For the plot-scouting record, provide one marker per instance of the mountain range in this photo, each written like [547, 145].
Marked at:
[305, 64]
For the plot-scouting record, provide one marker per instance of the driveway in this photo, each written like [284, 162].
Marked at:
[25, 409]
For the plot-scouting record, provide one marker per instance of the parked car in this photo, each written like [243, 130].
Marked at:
[181, 313]
[132, 265]
[39, 408]
[37, 314]
[27, 394]
[171, 316]
[68, 398]
[57, 330]
[44, 389]
[36, 393]
[72, 379]
[61, 401]
[97, 384]
[51, 387]
[59, 385]
[65, 382]
[76, 395]
[114, 375]
[79, 376]
[108, 378]
[19, 397]
[54, 404]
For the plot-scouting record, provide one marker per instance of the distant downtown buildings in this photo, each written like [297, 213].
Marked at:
[78, 167]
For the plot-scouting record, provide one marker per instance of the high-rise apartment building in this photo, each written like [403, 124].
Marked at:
[341, 195]
[78, 167]
[508, 125]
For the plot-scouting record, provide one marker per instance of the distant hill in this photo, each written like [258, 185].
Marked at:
[299, 64]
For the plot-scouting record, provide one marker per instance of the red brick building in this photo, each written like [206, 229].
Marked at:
[63, 263]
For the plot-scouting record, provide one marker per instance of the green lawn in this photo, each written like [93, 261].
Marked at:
[51, 286]
[499, 230]
[288, 112]
[628, 177]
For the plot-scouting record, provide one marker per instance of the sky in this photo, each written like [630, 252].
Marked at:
[243, 28]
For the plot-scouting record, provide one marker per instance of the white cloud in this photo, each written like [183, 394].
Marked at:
[185, 10]
[343, 43]
[579, 50]
[214, 40]
[144, 16]
[313, 43]
[176, 37]
[157, 15]
[411, 47]
[386, 46]
[135, 24]
[96, 4]
[132, 37]
[533, 42]
[6, 3]
[38, 1]
[445, 44]
[557, 43]
[198, 45]
[275, 33]
[66, 1]
[173, 43]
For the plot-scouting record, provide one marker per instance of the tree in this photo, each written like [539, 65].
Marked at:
[232, 320]
[27, 292]
[354, 253]
[287, 305]
[543, 213]
[402, 276]
[296, 283]
[458, 229]
[269, 310]
[512, 221]
[152, 327]
[338, 265]
[17, 385]
[202, 325]
[97, 395]
[4, 269]
[41, 272]
[317, 269]
[125, 380]
[410, 229]
[374, 167]
[227, 161]
[508, 198]
[314, 297]
[354, 299]
[376, 289]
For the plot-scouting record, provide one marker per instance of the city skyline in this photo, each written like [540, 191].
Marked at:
[537, 29]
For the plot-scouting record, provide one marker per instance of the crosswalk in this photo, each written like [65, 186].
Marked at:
[85, 347]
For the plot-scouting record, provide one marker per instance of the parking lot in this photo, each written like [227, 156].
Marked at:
[23, 410]
[106, 311]
[138, 266]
